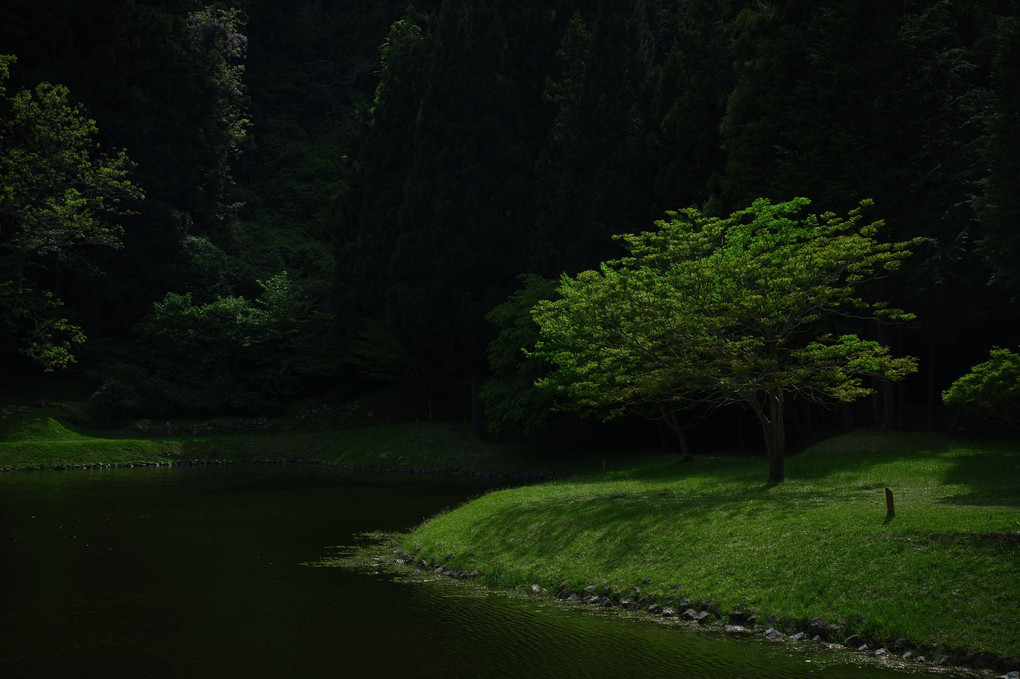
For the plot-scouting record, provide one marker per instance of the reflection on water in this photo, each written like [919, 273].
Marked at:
[196, 572]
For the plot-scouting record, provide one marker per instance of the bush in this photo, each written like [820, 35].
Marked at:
[229, 355]
[991, 389]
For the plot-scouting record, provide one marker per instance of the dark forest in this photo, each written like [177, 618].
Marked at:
[279, 200]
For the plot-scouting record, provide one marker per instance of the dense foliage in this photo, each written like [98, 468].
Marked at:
[60, 195]
[991, 389]
[707, 312]
[407, 165]
[229, 355]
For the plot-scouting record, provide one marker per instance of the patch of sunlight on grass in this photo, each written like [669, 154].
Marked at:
[818, 544]
[41, 429]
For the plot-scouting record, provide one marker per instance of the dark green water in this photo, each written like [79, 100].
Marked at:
[197, 572]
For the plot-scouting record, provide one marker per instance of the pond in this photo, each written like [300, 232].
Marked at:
[198, 572]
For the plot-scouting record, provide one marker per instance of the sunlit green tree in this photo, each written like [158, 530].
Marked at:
[709, 311]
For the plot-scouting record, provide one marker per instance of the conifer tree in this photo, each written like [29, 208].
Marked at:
[367, 232]
[464, 207]
[1000, 203]
[595, 169]
[695, 81]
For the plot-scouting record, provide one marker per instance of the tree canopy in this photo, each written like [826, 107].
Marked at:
[990, 389]
[409, 165]
[709, 311]
[60, 193]
[232, 354]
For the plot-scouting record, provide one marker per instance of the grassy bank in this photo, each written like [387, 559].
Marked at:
[48, 435]
[943, 573]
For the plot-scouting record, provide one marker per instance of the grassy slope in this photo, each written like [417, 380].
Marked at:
[44, 437]
[41, 439]
[944, 570]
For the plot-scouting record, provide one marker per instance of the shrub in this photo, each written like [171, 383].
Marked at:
[991, 389]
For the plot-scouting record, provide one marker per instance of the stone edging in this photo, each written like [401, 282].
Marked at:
[810, 634]
[345, 466]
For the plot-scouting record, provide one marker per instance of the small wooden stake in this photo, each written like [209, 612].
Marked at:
[889, 511]
[603, 466]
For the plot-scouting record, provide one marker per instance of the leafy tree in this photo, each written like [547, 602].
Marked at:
[60, 194]
[232, 353]
[511, 401]
[904, 89]
[593, 336]
[162, 80]
[991, 389]
[710, 311]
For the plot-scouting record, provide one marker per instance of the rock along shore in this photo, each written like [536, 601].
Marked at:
[813, 634]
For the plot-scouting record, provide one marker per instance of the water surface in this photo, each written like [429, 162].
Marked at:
[197, 572]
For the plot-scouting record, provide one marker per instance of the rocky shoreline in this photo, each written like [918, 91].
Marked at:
[656, 602]
[812, 634]
[523, 477]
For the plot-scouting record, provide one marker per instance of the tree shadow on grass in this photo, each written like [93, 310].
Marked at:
[621, 522]
[732, 488]
[849, 454]
[990, 470]
[614, 526]
[993, 476]
[861, 449]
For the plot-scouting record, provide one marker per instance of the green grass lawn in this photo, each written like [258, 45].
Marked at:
[42, 440]
[50, 436]
[945, 570]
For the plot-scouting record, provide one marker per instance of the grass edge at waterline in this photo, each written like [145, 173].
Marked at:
[938, 578]
[43, 437]
[941, 573]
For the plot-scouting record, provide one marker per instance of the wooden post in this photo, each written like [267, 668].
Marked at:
[603, 466]
[889, 511]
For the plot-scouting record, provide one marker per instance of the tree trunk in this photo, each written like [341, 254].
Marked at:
[685, 448]
[777, 456]
[901, 385]
[670, 418]
[777, 467]
[427, 393]
[773, 429]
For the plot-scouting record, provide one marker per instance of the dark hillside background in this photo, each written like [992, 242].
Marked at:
[340, 194]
